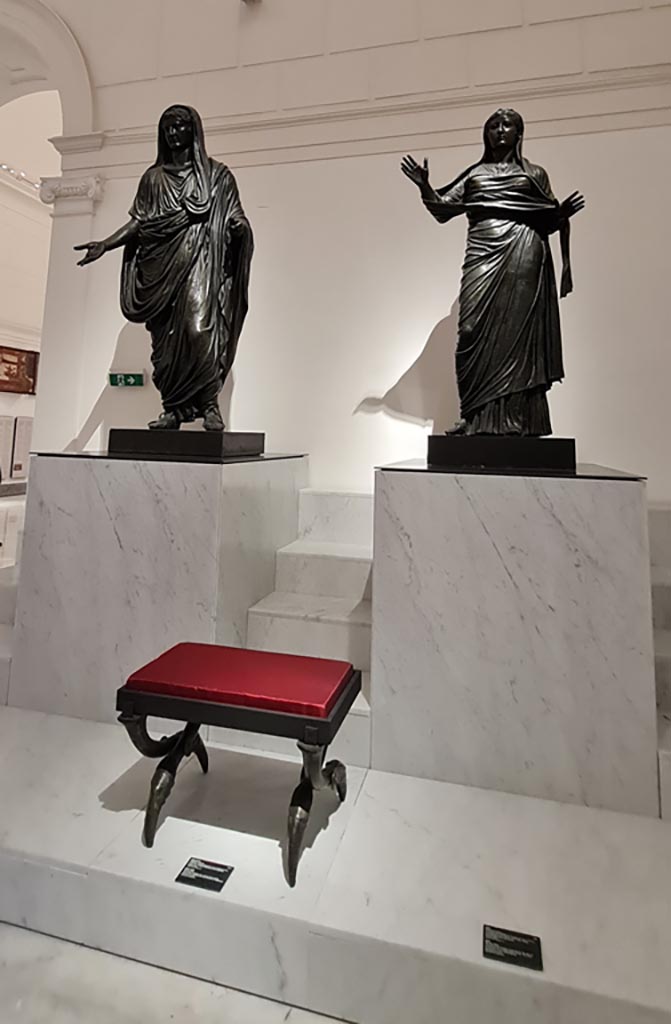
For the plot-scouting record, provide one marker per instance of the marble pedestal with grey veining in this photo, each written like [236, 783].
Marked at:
[123, 558]
[512, 636]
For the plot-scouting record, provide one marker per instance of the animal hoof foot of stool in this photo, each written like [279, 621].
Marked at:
[161, 785]
[336, 773]
[298, 821]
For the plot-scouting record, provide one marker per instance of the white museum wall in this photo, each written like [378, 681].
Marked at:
[26, 125]
[312, 102]
[25, 226]
[239, 58]
[352, 283]
[24, 255]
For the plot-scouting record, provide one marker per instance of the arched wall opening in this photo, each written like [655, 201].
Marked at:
[39, 53]
[45, 92]
[26, 124]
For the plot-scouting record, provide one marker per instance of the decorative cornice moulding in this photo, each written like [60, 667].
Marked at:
[583, 103]
[89, 143]
[20, 335]
[89, 188]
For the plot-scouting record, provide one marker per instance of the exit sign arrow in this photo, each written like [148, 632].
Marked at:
[126, 380]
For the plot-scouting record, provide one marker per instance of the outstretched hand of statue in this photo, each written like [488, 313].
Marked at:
[572, 205]
[94, 250]
[418, 173]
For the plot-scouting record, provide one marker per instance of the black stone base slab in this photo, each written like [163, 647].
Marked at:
[184, 445]
[584, 471]
[481, 453]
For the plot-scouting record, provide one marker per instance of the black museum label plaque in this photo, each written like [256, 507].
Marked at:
[204, 874]
[512, 947]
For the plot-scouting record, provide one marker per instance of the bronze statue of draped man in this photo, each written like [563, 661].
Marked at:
[509, 349]
[187, 253]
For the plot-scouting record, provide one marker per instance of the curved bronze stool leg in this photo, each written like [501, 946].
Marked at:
[200, 751]
[136, 727]
[172, 749]
[314, 776]
[299, 814]
[163, 778]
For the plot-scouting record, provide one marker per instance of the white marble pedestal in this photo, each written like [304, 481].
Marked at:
[512, 635]
[123, 558]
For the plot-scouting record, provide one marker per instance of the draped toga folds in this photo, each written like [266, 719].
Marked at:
[509, 348]
[185, 276]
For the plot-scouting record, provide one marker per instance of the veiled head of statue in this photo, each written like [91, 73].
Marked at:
[178, 126]
[504, 128]
[178, 130]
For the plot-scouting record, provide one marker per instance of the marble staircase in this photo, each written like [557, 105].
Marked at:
[660, 571]
[8, 584]
[321, 606]
[12, 513]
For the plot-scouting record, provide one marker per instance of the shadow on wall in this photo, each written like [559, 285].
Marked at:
[132, 407]
[427, 391]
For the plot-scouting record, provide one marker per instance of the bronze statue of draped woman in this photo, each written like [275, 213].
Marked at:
[185, 274]
[509, 350]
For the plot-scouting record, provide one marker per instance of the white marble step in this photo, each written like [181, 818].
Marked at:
[336, 516]
[659, 529]
[663, 668]
[661, 597]
[6, 636]
[324, 568]
[351, 745]
[8, 588]
[664, 754]
[323, 627]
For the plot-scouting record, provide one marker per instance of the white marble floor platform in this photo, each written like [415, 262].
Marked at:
[385, 924]
[48, 981]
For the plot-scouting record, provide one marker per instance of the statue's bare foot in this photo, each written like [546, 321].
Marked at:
[212, 419]
[458, 428]
[166, 421]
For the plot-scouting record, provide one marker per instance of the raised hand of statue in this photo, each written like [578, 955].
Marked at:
[572, 205]
[418, 173]
[94, 250]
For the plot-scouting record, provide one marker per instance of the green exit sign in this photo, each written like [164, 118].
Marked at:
[127, 380]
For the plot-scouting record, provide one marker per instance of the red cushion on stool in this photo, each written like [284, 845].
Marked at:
[253, 679]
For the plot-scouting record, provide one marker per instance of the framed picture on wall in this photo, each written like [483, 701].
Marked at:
[18, 370]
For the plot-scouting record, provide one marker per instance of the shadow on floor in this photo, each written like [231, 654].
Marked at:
[241, 792]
